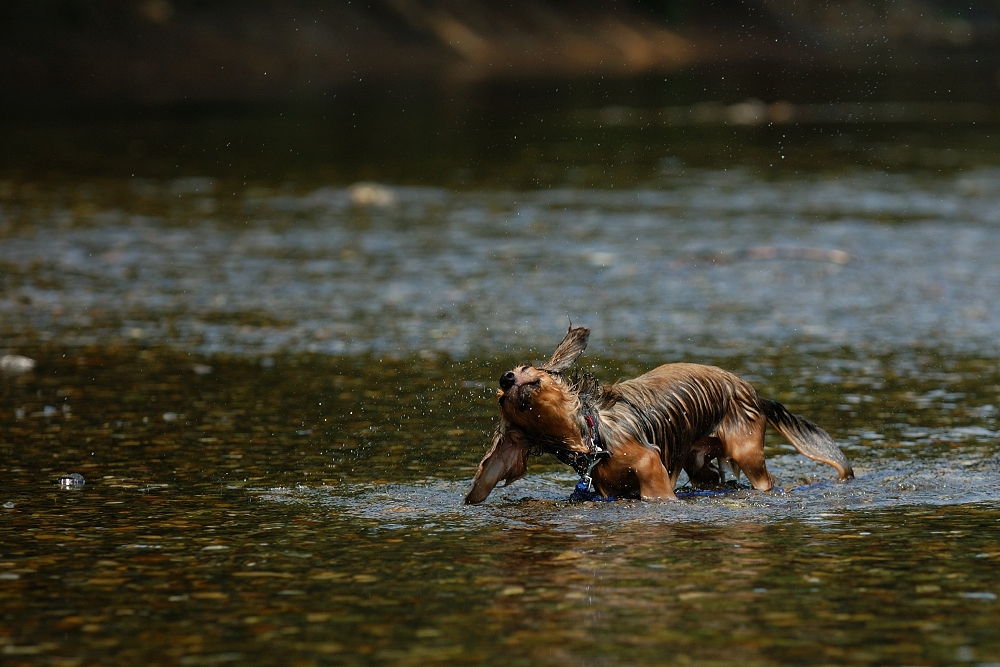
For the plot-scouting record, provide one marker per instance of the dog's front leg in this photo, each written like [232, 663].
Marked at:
[506, 460]
[654, 481]
[633, 464]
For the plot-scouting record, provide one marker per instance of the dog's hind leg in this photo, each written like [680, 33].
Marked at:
[698, 463]
[744, 444]
[727, 466]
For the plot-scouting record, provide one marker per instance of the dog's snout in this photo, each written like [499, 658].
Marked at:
[507, 380]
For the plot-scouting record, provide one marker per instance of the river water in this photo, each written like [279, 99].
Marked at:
[277, 393]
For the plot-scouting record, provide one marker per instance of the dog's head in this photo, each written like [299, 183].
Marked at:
[539, 398]
[537, 405]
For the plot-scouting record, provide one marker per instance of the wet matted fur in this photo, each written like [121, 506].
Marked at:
[676, 417]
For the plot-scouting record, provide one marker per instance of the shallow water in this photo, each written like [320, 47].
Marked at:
[205, 266]
[309, 511]
[278, 395]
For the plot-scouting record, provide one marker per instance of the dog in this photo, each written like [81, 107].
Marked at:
[633, 438]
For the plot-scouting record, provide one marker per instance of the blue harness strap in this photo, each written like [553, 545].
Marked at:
[581, 494]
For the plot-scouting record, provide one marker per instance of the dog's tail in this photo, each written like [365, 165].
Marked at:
[809, 439]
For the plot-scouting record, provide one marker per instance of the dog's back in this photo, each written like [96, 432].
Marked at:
[674, 405]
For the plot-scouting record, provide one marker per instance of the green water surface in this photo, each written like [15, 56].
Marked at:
[307, 510]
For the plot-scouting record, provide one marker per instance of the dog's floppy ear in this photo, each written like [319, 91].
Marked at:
[571, 347]
[507, 460]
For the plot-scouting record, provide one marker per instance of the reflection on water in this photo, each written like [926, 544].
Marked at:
[277, 395]
[308, 509]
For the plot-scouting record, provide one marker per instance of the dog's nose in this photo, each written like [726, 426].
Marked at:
[507, 380]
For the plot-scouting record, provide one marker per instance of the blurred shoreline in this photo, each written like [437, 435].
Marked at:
[161, 53]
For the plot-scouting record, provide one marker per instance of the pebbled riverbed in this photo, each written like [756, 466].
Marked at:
[277, 397]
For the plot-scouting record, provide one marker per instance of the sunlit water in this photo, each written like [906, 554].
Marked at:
[277, 399]
[212, 268]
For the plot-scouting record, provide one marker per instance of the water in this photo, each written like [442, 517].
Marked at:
[277, 394]
[310, 510]
[212, 268]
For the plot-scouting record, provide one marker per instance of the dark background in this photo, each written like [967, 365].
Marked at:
[56, 54]
[472, 92]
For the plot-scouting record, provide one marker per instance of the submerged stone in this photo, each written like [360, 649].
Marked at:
[72, 480]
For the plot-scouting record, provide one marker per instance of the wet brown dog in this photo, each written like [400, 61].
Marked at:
[632, 439]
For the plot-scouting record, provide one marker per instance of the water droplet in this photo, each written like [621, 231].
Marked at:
[72, 480]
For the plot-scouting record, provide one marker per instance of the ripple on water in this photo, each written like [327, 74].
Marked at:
[805, 492]
[657, 270]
